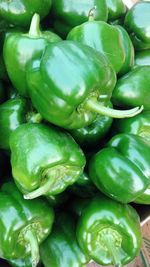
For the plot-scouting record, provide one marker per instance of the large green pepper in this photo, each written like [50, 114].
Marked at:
[122, 169]
[20, 12]
[137, 27]
[25, 47]
[74, 12]
[97, 34]
[61, 248]
[71, 84]
[139, 125]
[109, 232]
[132, 89]
[44, 160]
[23, 224]
[13, 113]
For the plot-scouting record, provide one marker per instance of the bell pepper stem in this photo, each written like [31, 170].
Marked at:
[31, 238]
[91, 14]
[34, 30]
[94, 105]
[42, 190]
[113, 250]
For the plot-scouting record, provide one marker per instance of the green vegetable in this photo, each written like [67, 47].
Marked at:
[142, 57]
[26, 262]
[122, 170]
[61, 248]
[24, 224]
[97, 34]
[116, 9]
[71, 84]
[45, 161]
[132, 89]
[137, 27]
[13, 113]
[68, 14]
[25, 47]
[109, 232]
[90, 136]
[20, 12]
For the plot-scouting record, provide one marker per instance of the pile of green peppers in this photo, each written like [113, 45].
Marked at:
[74, 131]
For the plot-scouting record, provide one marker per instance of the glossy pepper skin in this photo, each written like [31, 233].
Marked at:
[13, 113]
[44, 160]
[71, 84]
[72, 13]
[26, 47]
[139, 125]
[142, 58]
[122, 170]
[137, 27]
[97, 34]
[109, 232]
[90, 136]
[20, 12]
[61, 248]
[132, 89]
[24, 224]
[116, 9]
[26, 262]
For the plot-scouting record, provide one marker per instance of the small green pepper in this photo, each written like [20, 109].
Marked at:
[20, 12]
[137, 27]
[45, 160]
[109, 232]
[24, 224]
[61, 248]
[121, 170]
[132, 89]
[72, 13]
[71, 84]
[25, 46]
[13, 113]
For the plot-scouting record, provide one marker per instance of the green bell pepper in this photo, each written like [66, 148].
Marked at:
[71, 84]
[142, 57]
[61, 248]
[139, 125]
[20, 12]
[24, 224]
[25, 46]
[72, 13]
[132, 89]
[116, 9]
[137, 27]
[109, 232]
[90, 136]
[45, 161]
[13, 113]
[97, 34]
[122, 170]
[26, 262]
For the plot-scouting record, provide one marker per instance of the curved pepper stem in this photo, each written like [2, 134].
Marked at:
[94, 105]
[42, 190]
[31, 238]
[34, 30]
[109, 243]
[91, 14]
